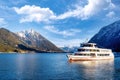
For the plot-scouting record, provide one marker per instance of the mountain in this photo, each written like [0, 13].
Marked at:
[108, 37]
[69, 49]
[37, 41]
[9, 42]
[30, 42]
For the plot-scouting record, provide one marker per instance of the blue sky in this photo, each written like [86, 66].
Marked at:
[64, 22]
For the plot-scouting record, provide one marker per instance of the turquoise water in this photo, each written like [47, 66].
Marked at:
[56, 67]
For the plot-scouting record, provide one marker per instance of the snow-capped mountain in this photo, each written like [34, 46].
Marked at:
[69, 49]
[108, 36]
[27, 33]
[37, 41]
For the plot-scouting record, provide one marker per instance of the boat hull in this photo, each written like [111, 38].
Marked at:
[85, 58]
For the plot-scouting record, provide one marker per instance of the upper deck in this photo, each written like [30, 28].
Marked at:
[88, 45]
[91, 47]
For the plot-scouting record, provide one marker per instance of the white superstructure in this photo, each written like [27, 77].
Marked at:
[89, 51]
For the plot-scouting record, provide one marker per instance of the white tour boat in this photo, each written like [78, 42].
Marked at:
[89, 51]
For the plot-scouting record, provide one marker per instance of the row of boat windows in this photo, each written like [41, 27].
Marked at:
[93, 54]
[94, 50]
[103, 54]
[88, 45]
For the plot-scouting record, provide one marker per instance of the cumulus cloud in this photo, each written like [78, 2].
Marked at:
[92, 7]
[34, 13]
[70, 32]
[37, 14]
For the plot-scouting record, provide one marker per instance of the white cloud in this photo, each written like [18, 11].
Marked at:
[37, 14]
[34, 13]
[111, 14]
[70, 32]
[92, 7]
[2, 22]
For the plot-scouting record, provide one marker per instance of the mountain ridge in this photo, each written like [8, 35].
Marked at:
[11, 42]
[34, 39]
[68, 49]
[108, 36]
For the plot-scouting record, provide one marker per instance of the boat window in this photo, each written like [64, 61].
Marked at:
[91, 50]
[104, 50]
[95, 45]
[87, 50]
[94, 50]
[97, 50]
[88, 54]
[107, 54]
[83, 54]
[81, 49]
[103, 54]
[77, 54]
[92, 54]
[86, 45]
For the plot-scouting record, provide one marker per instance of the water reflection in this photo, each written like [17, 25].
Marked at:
[95, 70]
[26, 67]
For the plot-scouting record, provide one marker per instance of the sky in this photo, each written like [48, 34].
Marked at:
[63, 22]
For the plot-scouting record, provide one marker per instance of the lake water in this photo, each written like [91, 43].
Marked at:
[56, 67]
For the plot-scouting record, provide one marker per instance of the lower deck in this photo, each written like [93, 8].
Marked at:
[88, 58]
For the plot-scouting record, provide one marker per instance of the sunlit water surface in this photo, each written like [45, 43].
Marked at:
[56, 67]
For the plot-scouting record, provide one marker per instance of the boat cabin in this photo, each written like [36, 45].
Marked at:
[88, 45]
[91, 49]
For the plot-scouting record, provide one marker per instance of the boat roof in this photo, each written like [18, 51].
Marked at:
[89, 43]
[93, 48]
